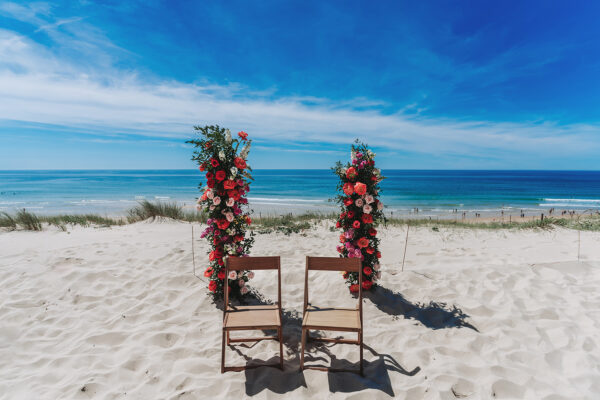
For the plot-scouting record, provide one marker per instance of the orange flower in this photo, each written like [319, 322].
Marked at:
[360, 188]
[342, 238]
[208, 272]
[229, 184]
[348, 189]
[362, 242]
[351, 173]
[243, 135]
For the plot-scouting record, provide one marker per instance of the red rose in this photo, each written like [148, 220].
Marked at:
[209, 175]
[221, 275]
[223, 224]
[238, 238]
[370, 250]
[360, 188]
[239, 163]
[342, 215]
[220, 175]
[345, 275]
[354, 288]
[372, 162]
[210, 183]
[208, 272]
[367, 285]
[374, 178]
[243, 135]
[342, 238]
[220, 262]
[351, 214]
[348, 201]
[212, 286]
[234, 194]
[367, 218]
[348, 189]
[367, 271]
[362, 242]
[373, 232]
[202, 167]
[214, 162]
[378, 255]
[229, 184]
[356, 224]
[351, 173]
[212, 256]
[338, 224]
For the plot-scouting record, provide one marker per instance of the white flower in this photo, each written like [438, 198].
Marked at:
[230, 231]
[222, 155]
[359, 202]
[227, 135]
[230, 202]
[369, 199]
[250, 275]
[244, 290]
[234, 171]
[376, 267]
[377, 172]
[232, 275]
[241, 282]
[216, 200]
[352, 155]
[229, 216]
[367, 209]
[246, 150]
[210, 194]
[371, 154]
[380, 206]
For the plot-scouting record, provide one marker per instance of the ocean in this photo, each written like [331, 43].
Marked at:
[112, 192]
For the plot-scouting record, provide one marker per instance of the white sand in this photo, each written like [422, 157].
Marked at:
[116, 313]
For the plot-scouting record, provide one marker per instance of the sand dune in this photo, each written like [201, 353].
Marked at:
[118, 313]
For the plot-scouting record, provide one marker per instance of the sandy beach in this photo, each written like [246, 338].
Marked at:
[117, 313]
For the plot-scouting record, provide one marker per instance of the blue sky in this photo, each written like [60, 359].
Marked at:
[450, 85]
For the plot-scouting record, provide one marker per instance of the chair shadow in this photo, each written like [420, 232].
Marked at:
[376, 373]
[434, 315]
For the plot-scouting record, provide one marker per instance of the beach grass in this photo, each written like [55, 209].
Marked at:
[284, 223]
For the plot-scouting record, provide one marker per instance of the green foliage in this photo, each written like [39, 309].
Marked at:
[28, 221]
[6, 221]
[147, 209]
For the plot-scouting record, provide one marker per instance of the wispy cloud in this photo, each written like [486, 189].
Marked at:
[39, 85]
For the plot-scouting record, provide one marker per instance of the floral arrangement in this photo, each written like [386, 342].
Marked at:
[223, 197]
[361, 212]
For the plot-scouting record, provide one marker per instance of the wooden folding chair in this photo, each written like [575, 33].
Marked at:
[256, 317]
[332, 319]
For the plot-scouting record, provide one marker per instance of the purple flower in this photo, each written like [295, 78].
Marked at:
[359, 155]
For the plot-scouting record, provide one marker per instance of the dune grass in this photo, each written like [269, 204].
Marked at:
[148, 210]
[286, 224]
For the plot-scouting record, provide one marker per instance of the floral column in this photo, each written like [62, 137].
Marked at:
[223, 198]
[361, 212]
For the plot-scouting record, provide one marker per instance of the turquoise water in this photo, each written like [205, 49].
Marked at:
[433, 192]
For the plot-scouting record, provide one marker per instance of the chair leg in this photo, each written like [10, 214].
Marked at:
[223, 352]
[228, 340]
[302, 350]
[280, 348]
[361, 353]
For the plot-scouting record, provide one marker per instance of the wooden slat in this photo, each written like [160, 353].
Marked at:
[333, 264]
[252, 263]
[252, 317]
[332, 319]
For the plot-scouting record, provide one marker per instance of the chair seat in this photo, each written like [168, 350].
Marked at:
[331, 318]
[252, 317]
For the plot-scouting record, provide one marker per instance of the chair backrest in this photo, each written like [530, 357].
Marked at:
[250, 264]
[334, 264]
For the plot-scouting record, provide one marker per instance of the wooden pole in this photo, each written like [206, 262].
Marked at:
[405, 246]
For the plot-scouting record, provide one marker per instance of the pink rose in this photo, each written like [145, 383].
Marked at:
[367, 209]
[250, 275]
[369, 199]
[244, 290]
[216, 200]
[229, 216]
[230, 202]
[380, 206]
[376, 267]
[359, 202]
[210, 194]
[232, 275]
[241, 282]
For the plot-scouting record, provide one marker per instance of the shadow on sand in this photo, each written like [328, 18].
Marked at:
[433, 315]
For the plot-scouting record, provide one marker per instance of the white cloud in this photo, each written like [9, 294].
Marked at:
[38, 86]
